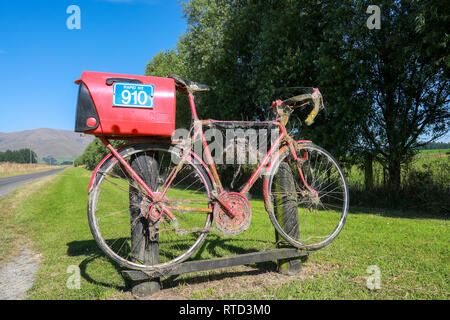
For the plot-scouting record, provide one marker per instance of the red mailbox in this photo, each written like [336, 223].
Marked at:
[120, 105]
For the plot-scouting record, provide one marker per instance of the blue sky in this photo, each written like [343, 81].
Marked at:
[40, 57]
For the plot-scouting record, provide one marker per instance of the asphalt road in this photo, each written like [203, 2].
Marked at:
[9, 184]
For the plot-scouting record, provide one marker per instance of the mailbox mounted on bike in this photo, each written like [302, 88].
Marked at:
[118, 105]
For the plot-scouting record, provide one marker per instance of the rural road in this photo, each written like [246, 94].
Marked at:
[17, 276]
[9, 184]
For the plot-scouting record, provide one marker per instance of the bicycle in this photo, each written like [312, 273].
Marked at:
[152, 204]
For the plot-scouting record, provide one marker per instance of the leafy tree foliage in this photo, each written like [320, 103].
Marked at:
[19, 156]
[404, 80]
[386, 90]
[251, 53]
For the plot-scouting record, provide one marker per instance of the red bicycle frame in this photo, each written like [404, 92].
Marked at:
[271, 156]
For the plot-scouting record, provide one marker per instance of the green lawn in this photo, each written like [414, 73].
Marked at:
[411, 253]
[433, 152]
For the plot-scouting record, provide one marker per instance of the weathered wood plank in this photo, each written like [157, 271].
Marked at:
[210, 264]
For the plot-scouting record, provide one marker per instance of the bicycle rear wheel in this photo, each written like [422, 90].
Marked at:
[124, 220]
[307, 215]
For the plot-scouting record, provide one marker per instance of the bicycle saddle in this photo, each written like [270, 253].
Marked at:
[185, 86]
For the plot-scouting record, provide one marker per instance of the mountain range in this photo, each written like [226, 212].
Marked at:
[60, 144]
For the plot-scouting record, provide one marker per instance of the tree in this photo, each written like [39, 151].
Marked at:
[403, 77]
[386, 90]
[19, 156]
[251, 53]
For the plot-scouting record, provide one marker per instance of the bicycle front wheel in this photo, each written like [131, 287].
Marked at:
[307, 200]
[125, 221]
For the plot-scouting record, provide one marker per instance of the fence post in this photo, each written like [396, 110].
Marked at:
[144, 242]
[285, 209]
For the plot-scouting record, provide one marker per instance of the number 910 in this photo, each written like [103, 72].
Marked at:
[138, 97]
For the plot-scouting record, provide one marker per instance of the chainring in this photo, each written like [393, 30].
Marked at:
[233, 225]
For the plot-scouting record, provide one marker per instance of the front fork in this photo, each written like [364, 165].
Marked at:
[298, 163]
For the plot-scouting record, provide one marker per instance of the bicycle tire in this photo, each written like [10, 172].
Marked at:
[179, 245]
[298, 233]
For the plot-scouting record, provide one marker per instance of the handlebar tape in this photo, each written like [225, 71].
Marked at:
[316, 97]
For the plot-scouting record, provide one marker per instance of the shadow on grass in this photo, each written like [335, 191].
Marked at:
[219, 247]
[214, 244]
[395, 213]
[90, 249]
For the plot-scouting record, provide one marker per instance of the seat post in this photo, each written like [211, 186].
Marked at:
[192, 103]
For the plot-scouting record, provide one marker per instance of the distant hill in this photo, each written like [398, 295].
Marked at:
[60, 144]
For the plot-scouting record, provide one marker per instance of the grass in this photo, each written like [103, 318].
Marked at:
[8, 169]
[412, 253]
[432, 152]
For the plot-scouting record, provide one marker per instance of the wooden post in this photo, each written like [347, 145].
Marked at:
[285, 209]
[144, 242]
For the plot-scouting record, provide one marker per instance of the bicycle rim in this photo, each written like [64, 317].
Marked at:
[124, 220]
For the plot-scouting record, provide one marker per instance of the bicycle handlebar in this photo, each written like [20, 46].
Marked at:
[316, 98]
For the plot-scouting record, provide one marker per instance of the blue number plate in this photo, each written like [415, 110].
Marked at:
[133, 95]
